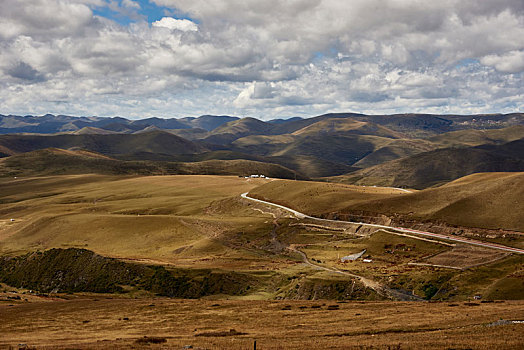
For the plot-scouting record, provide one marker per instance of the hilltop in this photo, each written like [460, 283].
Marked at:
[484, 200]
[55, 161]
[439, 166]
[360, 148]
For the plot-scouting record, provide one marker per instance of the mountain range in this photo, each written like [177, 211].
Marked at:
[402, 150]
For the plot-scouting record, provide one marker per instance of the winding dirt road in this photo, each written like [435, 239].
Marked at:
[376, 286]
[398, 229]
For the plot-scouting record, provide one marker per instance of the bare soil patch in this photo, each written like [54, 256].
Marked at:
[466, 256]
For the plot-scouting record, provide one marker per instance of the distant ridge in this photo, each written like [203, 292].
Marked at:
[439, 166]
[415, 125]
[50, 124]
[90, 130]
[111, 144]
[357, 145]
[55, 161]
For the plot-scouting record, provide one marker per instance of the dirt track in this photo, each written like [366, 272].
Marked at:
[400, 229]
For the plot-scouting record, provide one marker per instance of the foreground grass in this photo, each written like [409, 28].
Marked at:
[119, 323]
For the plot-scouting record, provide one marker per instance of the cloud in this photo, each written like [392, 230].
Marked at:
[261, 58]
[176, 24]
[510, 62]
[25, 72]
[43, 19]
[130, 4]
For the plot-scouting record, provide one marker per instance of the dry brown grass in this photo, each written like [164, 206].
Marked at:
[320, 197]
[201, 222]
[163, 218]
[117, 323]
[485, 200]
[466, 256]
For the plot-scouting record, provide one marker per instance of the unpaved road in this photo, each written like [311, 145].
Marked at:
[376, 286]
[399, 229]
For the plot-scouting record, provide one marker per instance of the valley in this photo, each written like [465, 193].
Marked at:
[203, 222]
[311, 221]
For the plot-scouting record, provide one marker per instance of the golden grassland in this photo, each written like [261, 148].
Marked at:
[132, 217]
[201, 222]
[484, 200]
[101, 323]
[315, 198]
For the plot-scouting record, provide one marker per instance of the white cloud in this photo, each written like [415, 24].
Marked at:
[176, 24]
[262, 58]
[130, 4]
[510, 62]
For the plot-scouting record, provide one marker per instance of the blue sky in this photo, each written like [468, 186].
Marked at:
[147, 10]
[265, 59]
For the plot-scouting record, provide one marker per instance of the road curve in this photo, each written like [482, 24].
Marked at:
[400, 229]
[376, 286]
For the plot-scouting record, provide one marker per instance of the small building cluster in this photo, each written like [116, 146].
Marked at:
[255, 176]
[352, 257]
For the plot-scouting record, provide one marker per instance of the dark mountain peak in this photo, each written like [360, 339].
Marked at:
[282, 121]
[211, 122]
[161, 123]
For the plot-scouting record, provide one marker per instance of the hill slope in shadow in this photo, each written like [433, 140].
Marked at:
[439, 166]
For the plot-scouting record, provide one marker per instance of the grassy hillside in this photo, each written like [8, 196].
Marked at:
[89, 130]
[314, 154]
[313, 166]
[316, 198]
[233, 130]
[487, 200]
[200, 222]
[395, 149]
[439, 166]
[208, 122]
[346, 126]
[112, 144]
[134, 217]
[80, 270]
[479, 137]
[195, 222]
[53, 161]
[327, 145]
[405, 147]
[348, 142]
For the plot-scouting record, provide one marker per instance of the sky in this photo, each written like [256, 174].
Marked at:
[260, 58]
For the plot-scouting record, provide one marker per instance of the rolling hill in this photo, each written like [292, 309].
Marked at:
[333, 144]
[464, 138]
[412, 125]
[479, 137]
[53, 161]
[347, 126]
[49, 124]
[236, 129]
[484, 200]
[159, 142]
[361, 146]
[439, 166]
